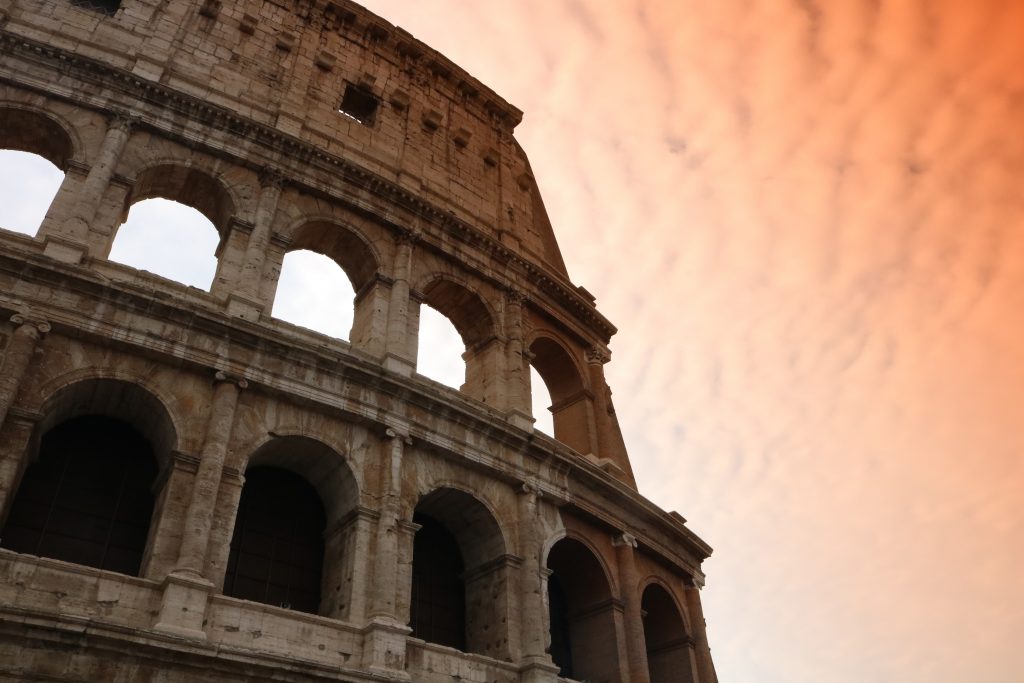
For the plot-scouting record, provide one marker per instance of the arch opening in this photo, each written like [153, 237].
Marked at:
[168, 239]
[669, 656]
[467, 313]
[540, 404]
[277, 548]
[459, 576]
[28, 131]
[28, 185]
[440, 351]
[581, 611]
[569, 399]
[35, 152]
[293, 529]
[88, 496]
[166, 229]
[313, 291]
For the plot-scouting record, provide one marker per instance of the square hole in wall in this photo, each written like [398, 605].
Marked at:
[360, 104]
[108, 7]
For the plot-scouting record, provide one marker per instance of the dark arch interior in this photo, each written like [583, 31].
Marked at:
[27, 131]
[342, 246]
[188, 186]
[668, 652]
[438, 604]
[87, 498]
[277, 549]
[583, 639]
[464, 308]
[568, 398]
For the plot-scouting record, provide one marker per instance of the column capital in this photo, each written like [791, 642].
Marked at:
[408, 236]
[530, 488]
[272, 178]
[515, 296]
[695, 582]
[598, 355]
[122, 121]
[222, 376]
[20, 320]
[625, 539]
[395, 433]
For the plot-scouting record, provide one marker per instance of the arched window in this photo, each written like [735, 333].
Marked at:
[88, 497]
[669, 655]
[34, 155]
[540, 397]
[176, 233]
[277, 549]
[569, 400]
[438, 606]
[168, 239]
[466, 311]
[28, 184]
[314, 292]
[583, 637]
[325, 282]
[459, 576]
[439, 355]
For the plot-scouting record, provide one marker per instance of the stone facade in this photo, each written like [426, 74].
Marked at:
[314, 125]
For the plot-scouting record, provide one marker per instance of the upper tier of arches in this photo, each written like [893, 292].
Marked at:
[259, 216]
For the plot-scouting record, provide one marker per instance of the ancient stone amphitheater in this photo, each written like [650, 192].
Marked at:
[192, 490]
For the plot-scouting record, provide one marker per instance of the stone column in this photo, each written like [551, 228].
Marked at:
[609, 440]
[517, 377]
[636, 644]
[71, 243]
[15, 436]
[20, 349]
[186, 589]
[245, 301]
[399, 354]
[535, 663]
[199, 516]
[384, 635]
[705, 666]
[382, 602]
[596, 358]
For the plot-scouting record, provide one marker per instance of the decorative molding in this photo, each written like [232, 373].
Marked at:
[623, 540]
[224, 376]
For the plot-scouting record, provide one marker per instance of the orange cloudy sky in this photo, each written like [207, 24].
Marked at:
[807, 220]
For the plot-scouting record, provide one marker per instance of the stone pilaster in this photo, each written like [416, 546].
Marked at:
[70, 242]
[199, 516]
[15, 437]
[702, 651]
[186, 589]
[535, 663]
[399, 350]
[636, 645]
[18, 355]
[609, 441]
[517, 376]
[385, 634]
[245, 301]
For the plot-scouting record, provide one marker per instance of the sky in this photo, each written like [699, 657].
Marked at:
[806, 219]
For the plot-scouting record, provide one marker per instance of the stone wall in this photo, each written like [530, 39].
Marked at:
[233, 109]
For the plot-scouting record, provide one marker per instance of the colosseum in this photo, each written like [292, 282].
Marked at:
[194, 490]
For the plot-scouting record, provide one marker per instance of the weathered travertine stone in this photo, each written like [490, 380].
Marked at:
[307, 126]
